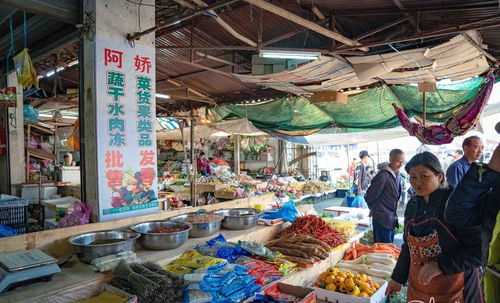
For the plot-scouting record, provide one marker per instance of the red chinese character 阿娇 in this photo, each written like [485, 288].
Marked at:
[112, 56]
[142, 63]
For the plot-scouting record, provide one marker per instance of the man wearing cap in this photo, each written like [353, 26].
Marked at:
[360, 182]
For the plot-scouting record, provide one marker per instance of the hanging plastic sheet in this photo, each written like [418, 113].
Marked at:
[25, 70]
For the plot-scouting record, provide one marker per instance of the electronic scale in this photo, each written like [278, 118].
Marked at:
[24, 267]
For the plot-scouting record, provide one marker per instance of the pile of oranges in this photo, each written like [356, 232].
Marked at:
[358, 285]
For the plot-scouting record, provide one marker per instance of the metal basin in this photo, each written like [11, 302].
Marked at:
[239, 218]
[161, 241]
[86, 252]
[199, 230]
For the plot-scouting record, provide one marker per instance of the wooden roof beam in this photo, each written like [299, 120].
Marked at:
[411, 19]
[159, 68]
[251, 48]
[443, 32]
[479, 48]
[224, 25]
[306, 23]
[183, 93]
[379, 29]
[292, 33]
[213, 58]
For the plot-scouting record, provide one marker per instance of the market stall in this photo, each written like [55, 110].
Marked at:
[272, 258]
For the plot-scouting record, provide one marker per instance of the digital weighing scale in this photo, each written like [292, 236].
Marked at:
[26, 266]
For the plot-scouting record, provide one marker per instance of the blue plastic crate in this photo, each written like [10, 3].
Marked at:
[14, 214]
[6, 231]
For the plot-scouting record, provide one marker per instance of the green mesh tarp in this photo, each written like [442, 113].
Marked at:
[291, 114]
[371, 109]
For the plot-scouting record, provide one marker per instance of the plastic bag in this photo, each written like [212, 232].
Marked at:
[30, 113]
[359, 202]
[218, 247]
[79, 216]
[194, 259]
[288, 212]
[258, 249]
[26, 73]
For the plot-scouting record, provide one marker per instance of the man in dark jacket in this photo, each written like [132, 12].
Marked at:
[383, 195]
[360, 180]
[480, 206]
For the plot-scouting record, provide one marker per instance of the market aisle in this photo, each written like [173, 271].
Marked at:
[319, 207]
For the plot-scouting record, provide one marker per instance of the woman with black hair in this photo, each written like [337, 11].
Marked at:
[440, 261]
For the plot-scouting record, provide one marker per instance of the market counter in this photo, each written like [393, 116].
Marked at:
[55, 242]
[77, 276]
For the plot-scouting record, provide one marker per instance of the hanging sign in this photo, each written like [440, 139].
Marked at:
[126, 130]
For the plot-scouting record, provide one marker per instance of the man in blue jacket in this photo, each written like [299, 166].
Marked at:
[383, 195]
[473, 150]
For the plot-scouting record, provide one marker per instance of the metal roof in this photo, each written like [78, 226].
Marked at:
[50, 35]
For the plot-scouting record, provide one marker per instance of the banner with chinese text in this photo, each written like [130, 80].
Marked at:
[126, 132]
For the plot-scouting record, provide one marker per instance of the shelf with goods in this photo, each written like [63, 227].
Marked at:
[37, 134]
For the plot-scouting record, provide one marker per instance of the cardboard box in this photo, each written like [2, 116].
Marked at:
[333, 296]
[306, 295]
[225, 195]
[210, 188]
[329, 96]
[270, 222]
[427, 87]
[127, 298]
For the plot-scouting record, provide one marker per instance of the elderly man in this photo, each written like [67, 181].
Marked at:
[473, 150]
[383, 195]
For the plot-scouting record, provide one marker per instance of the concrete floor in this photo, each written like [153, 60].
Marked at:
[319, 207]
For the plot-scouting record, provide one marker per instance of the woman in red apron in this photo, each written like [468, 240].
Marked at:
[440, 262]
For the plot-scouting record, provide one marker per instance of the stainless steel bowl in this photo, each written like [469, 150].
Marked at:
[239, 218]
[199, 230]
[161, 241]
[86, 252]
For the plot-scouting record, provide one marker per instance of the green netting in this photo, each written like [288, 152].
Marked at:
[371, 109]
[368, 110]
[289, 114]
[445, 99]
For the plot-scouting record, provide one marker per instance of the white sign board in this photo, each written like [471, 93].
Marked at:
[126, 137]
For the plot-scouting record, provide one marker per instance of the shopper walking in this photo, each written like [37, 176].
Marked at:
[360, 181]
[440, 261]
[473, 150]
[383, 195]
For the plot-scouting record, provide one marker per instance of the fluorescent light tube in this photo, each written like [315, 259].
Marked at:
[162, 96]
[289, 55]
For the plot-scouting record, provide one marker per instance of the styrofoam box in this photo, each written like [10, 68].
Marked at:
[333, 296]
[32, 192]
[52, 204]
[71, 175]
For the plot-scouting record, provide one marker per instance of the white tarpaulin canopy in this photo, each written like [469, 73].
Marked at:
[456, 59]
[220, 129]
